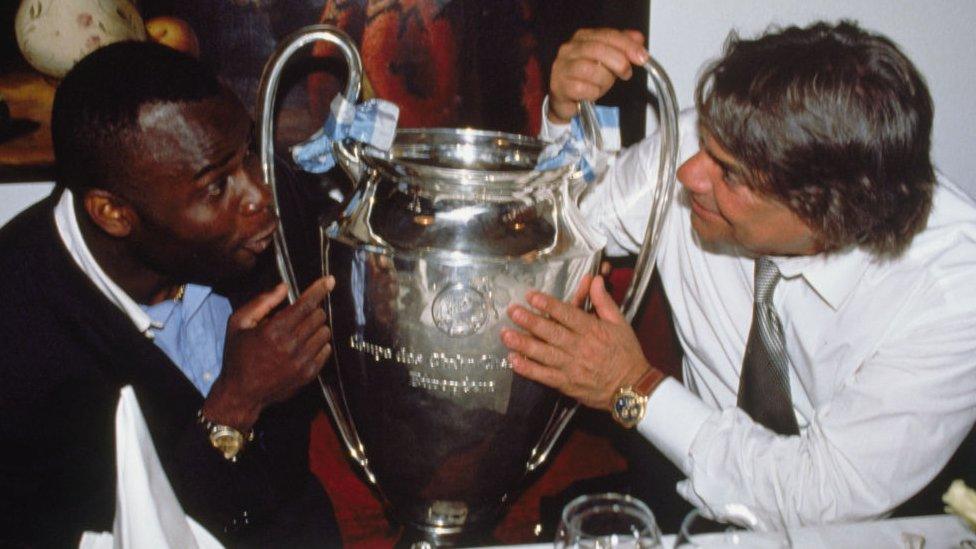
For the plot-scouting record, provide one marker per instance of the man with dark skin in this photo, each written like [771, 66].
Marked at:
[159, 196]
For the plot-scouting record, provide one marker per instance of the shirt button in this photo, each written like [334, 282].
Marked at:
[207, 376]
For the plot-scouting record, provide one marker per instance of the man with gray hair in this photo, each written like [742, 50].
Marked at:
[818, 270]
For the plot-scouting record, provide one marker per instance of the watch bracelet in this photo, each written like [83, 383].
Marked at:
[211, 426]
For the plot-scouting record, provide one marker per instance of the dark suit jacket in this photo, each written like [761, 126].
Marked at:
[66, 351]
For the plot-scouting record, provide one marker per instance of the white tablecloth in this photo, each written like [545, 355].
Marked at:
[940, 532]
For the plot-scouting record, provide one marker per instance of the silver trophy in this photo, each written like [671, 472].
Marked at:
[442, 233]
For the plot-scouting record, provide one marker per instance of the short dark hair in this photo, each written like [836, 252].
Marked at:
[833, 121]
[96, 106]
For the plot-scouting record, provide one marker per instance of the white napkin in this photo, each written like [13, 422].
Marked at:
[147, 513]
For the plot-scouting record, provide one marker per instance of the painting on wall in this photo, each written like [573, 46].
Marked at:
[477, 63]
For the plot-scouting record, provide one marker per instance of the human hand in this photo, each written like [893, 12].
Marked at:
[588, 65]
[268, 360]
[583, 356]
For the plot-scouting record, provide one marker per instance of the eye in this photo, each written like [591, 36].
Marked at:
[216, 188]
[730, 177]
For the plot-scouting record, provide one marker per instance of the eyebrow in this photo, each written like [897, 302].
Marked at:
[734, 170]
[226, 158]
[726, 167]
[215, 166]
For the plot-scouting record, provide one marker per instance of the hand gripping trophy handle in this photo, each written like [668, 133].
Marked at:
[660, 204]
[266, 103]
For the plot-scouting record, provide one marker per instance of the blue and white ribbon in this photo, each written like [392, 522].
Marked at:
[570, 147]
[373, 122]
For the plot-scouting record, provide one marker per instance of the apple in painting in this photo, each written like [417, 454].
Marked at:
[173, 32]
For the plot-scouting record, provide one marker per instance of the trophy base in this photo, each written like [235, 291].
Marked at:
[414, 537]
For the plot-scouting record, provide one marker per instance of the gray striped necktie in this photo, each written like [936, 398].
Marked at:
[764, 385]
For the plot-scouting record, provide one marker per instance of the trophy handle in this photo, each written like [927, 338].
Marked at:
[560, 417]
[592, 136]
[660, 204]
[348, 157]
[267, 91]
[663, 191]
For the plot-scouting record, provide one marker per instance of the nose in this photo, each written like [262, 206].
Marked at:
[256, 195]
[693, 174]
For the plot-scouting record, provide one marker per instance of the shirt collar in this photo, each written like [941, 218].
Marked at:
[67, 222]
[833, 276]
[193, 298]
[70, 232]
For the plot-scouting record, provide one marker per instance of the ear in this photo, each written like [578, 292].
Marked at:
[110, 212]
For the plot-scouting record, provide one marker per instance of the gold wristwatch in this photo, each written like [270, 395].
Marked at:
[226, 439]
[629, 404]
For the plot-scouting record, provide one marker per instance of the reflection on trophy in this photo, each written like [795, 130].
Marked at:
[443, 232]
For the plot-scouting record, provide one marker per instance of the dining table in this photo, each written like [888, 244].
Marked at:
[924, 532]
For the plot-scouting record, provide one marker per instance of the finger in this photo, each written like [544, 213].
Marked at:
[582, 291]
[536, 372]
[590, 62]
[531, 347]
[635, 36]
[603, 303]
[312, 348]
[251, 313]
[323, 356]
[542, 328]
[600, 62]
[594, 63]
[574, 90]
[566, 314]
[630, 42]
[309, 325]
[306, 304]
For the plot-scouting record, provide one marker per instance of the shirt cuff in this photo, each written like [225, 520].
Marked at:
[550, 130]
[672, 420]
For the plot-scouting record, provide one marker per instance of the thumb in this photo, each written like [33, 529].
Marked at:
[580, 296]
[252, 312]
[603, 303]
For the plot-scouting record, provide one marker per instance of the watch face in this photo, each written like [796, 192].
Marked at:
[628, 409]
[227, 441]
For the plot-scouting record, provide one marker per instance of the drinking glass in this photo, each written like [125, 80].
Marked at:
[699, 533]
[604, 521]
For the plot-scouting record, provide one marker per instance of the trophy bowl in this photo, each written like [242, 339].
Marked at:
[443, 232]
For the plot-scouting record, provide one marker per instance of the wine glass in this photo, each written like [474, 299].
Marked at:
[605, 521]
[700, 533]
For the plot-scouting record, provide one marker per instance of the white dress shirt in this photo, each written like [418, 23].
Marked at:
[882, 358]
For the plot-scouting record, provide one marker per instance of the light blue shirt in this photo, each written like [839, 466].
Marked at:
[191, 332]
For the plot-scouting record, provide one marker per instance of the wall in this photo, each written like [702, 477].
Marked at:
[17, 196]
[936, 34]
[684, 34]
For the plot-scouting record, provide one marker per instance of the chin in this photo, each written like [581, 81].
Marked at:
[705, 232]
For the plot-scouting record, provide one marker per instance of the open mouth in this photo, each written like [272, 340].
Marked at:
[261, 242]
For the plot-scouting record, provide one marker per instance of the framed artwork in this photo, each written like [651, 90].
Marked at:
[25, 137]
[477, 63]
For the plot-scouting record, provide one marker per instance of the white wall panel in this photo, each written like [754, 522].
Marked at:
[938, 35]
[14, 197]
